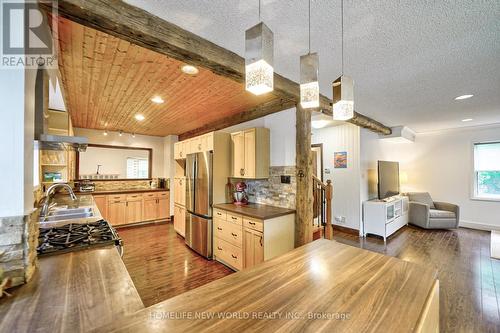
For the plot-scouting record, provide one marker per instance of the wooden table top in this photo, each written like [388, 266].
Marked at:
[73, 292]
[322, 286]
[258, 211]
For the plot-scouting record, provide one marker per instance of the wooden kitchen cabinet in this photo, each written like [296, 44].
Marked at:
[180, 150]
[253, 247]
[180, 220]
[150, 210]
[134, 211]
[117, 211]
[102, 204]
[163, 207]
[250, 153]
[180, 191]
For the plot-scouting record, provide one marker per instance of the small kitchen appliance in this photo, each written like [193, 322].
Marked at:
[240, 196]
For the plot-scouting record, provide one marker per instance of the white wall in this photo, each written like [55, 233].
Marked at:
[346, 182]
[142, 141]
[439, 163]
[16, 144]
[282, 129]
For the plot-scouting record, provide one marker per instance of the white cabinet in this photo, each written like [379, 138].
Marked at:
[250, 153]
[180, 190]
[385, 218]
[180, 150]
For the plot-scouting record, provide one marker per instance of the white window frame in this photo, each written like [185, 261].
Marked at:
[137, 158]
[474, 195]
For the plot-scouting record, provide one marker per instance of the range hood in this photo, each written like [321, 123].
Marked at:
[46, 140]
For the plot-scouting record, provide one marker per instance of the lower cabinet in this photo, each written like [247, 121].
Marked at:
[180, 220]
[253, 242]
[243, 242]
[117, 211]
[121, 209]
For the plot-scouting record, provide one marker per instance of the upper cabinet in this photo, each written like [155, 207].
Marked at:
[250, 153]
[195, 145]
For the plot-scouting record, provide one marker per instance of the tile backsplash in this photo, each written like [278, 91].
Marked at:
[271, 191]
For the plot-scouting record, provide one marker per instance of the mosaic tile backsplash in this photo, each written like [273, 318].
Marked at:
[271, 191]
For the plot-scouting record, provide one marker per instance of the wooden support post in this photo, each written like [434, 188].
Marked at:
[329, 197]
[304, 196]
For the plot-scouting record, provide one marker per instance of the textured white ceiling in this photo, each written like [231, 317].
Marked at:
[409, 58]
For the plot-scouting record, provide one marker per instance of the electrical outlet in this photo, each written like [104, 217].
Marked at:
[340, 219]
[285, 180]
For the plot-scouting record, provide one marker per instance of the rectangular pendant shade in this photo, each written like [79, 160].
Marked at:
[309, 85]
[343, 98]
[259, 58]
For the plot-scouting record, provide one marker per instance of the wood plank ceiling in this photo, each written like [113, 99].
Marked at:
[107, 81]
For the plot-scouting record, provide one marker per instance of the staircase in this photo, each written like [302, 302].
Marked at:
[322, 209]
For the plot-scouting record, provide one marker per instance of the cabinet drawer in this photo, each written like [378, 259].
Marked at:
[254, 224]
[228, 253]
[150, 195]
[117, 197]
[134, 197]
[163, 194]
[221, 214]
[234, 218]
[229, 232]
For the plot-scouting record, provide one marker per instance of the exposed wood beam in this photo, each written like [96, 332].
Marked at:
[304, 193]
[361, 121]
[254, 113]
[137, 26]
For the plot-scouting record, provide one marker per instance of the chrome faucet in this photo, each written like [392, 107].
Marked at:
[50, 192]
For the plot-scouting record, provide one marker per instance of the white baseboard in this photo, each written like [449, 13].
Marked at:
[479, 226]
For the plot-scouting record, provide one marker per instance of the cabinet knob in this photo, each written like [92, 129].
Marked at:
[260, 240]
[219, 228]
[220, 248]
[242, 171]
[252, 223]
[199, 146]
[235, 257]
[234, 235]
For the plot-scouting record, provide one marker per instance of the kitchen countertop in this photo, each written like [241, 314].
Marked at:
[72, 292]
[258, 211]
[366, 290]
[124, 191]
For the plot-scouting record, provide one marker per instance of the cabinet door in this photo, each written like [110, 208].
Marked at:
[208, 142]
[253, 248]
[180, 191]
[163, 208]
[249, 166]
[196, 145]
[117, 212]
[134, 211]
[179, 220]
[150, 211]
[238, 149]
[177, 150]
[102, 204]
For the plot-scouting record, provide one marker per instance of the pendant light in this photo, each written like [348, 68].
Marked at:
[259, 49]
[343, 87]
[309, 70]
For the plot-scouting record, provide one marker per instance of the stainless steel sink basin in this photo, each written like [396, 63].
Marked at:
[62, 214]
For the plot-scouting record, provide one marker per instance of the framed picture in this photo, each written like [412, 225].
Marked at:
[340, 160]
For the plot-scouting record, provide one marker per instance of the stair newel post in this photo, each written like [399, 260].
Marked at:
[329, 195]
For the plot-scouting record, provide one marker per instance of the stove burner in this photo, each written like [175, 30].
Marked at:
[76, 236]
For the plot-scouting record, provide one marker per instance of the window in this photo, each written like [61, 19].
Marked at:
[137, 167]
[487, 170]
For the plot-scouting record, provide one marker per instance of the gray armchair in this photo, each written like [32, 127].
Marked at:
[429, 214]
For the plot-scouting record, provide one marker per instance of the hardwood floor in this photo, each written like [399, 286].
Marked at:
[469, 278]
[162, 266]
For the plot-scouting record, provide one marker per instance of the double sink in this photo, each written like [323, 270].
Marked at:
[63, 213]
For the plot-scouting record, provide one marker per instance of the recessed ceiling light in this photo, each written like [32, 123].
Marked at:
[467, 119]
[105, 133]
[463, 97]
[157, 100]
[120, 133]
[133, 135]
[139, 117]
[188, 69]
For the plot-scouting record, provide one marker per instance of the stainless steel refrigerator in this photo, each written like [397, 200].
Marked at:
[199, 203]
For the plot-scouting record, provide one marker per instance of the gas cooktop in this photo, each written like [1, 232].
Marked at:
[73, 237]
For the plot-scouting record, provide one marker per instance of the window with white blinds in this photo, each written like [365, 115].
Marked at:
[137, 167]
[487, 170]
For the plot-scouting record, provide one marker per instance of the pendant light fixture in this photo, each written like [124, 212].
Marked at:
[343, 87]
[259, 56]
[309, 71]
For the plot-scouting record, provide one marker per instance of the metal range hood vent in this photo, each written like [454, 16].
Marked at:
[47, 141]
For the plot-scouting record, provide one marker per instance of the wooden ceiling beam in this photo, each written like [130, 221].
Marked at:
[142, 28]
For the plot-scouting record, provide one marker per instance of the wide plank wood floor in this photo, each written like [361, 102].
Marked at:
[162, 266]
[469, 278]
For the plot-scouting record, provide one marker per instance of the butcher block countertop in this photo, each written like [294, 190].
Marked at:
[258, 211]
[324, 286]
[72, 292]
